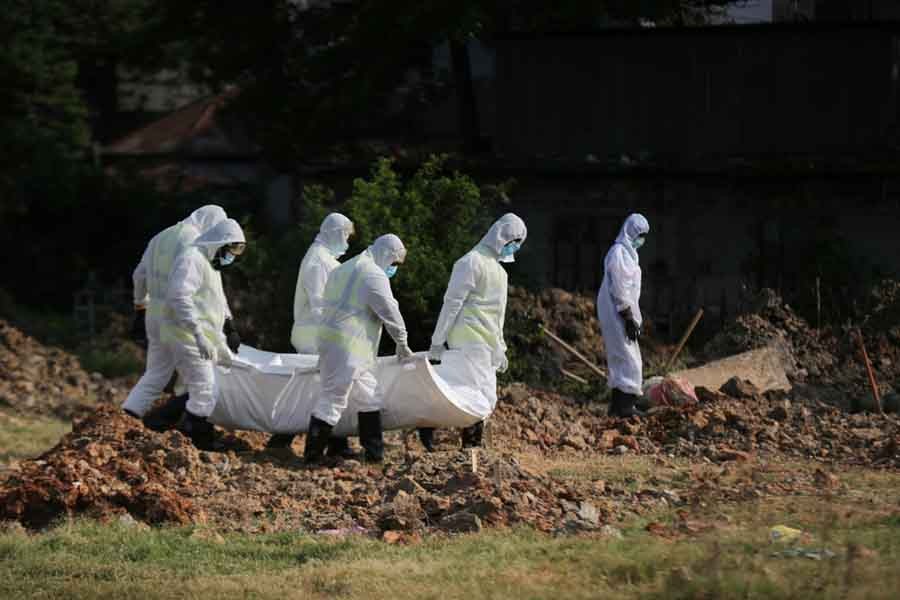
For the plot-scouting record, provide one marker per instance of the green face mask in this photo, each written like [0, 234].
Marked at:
[637, 242]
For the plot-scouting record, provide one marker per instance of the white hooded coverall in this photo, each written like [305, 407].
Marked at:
[358, 301]
[151, 281]
[196, 306]
[318, 263]
[621, 289]
[474, 310]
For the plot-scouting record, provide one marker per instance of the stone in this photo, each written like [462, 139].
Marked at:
[461, 522]
[726, 454]
[608, 531]
[739, 388]
[588, 513]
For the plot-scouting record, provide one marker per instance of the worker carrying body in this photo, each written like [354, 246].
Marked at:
[358, 302]
[195, 312]
[309, 303]
[151, 282]
[619, 313]
[473, 313]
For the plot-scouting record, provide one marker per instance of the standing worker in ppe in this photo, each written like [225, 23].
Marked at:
[620, 317]
[196, 310]
[151, 281]
[358, 302]
[309, 302]
[473, 313]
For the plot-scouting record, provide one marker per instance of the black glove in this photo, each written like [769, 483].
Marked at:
[632, 329]
[139, 326]
[232, 338]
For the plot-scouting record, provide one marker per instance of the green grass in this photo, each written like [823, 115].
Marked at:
[28, 436]
[733, 560]
[109, 362]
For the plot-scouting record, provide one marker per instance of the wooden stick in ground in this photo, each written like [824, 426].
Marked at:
[573, 376]
[869, 371]
[574, 352]
[683, 341]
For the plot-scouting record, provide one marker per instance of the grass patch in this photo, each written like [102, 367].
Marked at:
[731, 560]
[109, 362]
[28, 436]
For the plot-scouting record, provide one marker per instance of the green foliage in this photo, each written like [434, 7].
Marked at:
[42, 116]
[439, 216]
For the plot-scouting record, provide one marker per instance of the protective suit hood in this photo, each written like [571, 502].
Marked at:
[507, 228]
[206, 217]
[334, 231]
[635, 226]
[225, 232]
[386, 250]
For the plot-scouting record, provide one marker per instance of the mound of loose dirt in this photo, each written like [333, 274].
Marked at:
[572, 317]
[110, 464]
[42, 380]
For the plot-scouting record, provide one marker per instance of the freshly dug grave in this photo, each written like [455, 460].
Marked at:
[37, 379]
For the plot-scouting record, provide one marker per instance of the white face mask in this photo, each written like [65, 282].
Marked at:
[226, 259]
[341, 249]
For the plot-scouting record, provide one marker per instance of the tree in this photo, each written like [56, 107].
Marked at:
[42, 113]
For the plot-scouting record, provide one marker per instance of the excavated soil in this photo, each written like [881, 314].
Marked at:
[110, 466]
[38, 379]
[573, 318]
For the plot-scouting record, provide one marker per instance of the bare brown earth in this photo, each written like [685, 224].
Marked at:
[732, 445]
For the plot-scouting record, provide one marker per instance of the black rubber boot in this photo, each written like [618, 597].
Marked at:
[628, 406]
[471, 436]
[370, 436]
[615, 404]
[167, 416]
[280, 440]
[316, 441]
[200, 431]
[426, 436]
[339, 447]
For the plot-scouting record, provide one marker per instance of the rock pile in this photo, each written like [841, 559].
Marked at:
[110, 465]
[41, 380]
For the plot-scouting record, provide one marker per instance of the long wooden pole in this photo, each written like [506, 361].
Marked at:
[869, 371]
[574, 352]
[683, 341]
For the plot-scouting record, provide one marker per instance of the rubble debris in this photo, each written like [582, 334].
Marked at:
[42, 380]
[111, 466]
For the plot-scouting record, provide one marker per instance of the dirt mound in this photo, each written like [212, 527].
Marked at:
[830, 358]
[773, 321]
[719, 428]
[538, 360]
[42, 380]
[110, 464]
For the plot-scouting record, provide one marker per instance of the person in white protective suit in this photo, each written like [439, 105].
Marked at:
[151, 281]
[620, 317]
[358, 302]
[320, 260]
[195, 312]
[473, 313]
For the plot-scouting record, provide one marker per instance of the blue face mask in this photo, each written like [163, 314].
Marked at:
[510, 249]
[390, 271]
[226, 259]
[636, 243]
